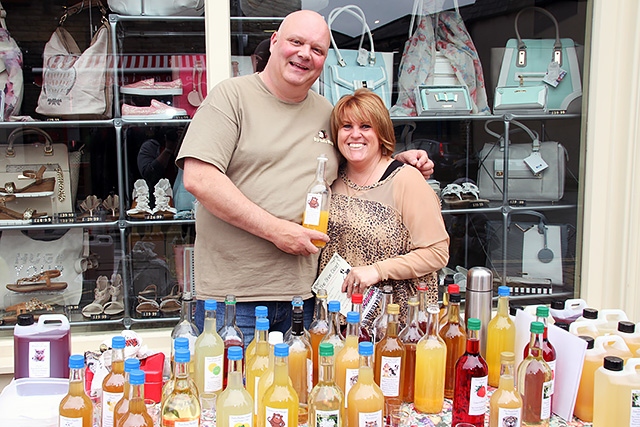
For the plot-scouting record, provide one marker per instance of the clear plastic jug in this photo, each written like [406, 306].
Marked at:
[610, 318]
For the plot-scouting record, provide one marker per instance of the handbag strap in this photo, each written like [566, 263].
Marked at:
[522, 47]
[535, 138]
[48, 147]
[542, 224]
[79, 7]
[358, 13]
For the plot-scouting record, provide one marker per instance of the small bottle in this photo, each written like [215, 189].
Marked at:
[260, 312]
[366, 401]
[423, 316]
[230, 332]
[410, 336]
[505, 406]
[300, 364]
[501, 336]
[548, 350]
[431, 357]
[234, 406]
[182, 405]
[348, 360]
[186, 328]
[316, 207]
[258, 365]
[356, 305]
[470, 398]
[380, 322]
[178, 343]
[334, 336]
[280, 401]
[318, 328]
[122, 407]
[454, 335]
[534, 381]
[390, 356]
[209, 353]
[266, 380]
[297, 304]
[326, 398]
[136, 415]
[76, 409]
[113, 383]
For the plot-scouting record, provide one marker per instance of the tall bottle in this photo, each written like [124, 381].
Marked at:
[260, 312]
[390, 357]
[297, 306]
[316, 207]
[122, 407]
[76, 409]
[178, 343]
[380, 322]
[470, 397]
[334, 335]
[300, 364]
[182, 405]
[186, 328]
[259, 364]
[410, 336]
[505, 406]
[113, 383]
[366, 401]
[234, 406]
[326, 398]
[348, 360]
[423, 316]
[280, 401]
[454, 335]
[501, 336]
[318, 328]
[548, 350]
[356, 305]
[230, 332]
[431, 356]
[209, 354]
[266, 380]
[534, 381]
[136, 415]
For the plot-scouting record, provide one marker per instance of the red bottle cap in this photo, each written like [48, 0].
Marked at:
[453, 289]
[356, 298]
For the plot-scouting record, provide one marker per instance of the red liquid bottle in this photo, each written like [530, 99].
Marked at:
[472, 374]
[356, 305]
[548, 351]
[230, 333]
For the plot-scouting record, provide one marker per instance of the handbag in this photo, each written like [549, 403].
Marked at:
[521, 99]
[11, 77]
[442, 100]
[157, 7]
[544, 62]
[536, 171]
[347, 70]
[77, 84]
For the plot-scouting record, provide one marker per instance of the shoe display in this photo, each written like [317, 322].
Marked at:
[11, 217]
[164, 199]
[116, 290]
[150, 87]
[140, 206]
[38, 282]
[102, 295]
[156, 111]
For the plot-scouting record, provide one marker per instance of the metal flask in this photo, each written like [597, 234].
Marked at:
[478, 299]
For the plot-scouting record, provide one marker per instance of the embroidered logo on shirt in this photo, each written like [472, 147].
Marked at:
[323, 137]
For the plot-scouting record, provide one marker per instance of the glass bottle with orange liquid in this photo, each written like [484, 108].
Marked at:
[501, 336]
[449, 288]
[366, 401]
[326, 399]
[390, 357]
[260, 312]
[209, 354]
[348, 360]
[505, 403]
[230, 333]
[470, 397]
[182, 406]
[454, 335]
[431, 357]
[122, 407]
[316, 208]
[136, 415]
[259, 364]
[410, 336]
[280, 401]
[266, 379]
[76, 409]
[380, 323]
[234, 406]
[534, 381]
[300, 364]
[318, 328]
[113, 383]
[548, 350]
[356, 305]
[167, 388]
[334, 336]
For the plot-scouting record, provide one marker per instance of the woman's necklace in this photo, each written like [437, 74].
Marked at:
[351, 193]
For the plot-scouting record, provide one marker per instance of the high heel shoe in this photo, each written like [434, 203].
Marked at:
[102, 295]
[116, 289]
[140, 206]
[40, 187]
[164, 199]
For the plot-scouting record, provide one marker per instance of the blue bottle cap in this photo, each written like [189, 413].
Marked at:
[334, 306]
[136, 377]
[297, 302]
[504, 291]
[353, 317]
[261, 311]
[234, 353]
[262, 324]
[210, 305]
[180, 342]
[131, 364]
[117, 342]
[76, 361]
[182, 355]
[281, 350]
[365, 348]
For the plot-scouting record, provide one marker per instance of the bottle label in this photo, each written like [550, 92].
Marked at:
[244, 420]
[191, 423]
[552, 365]
[370, 419]
[277, 417]
[478, 396]
[255, 396]
[212, 373]
[69, 422]
[350, 379]
[635, 409]
[109, 401]
[545, 406]
[509, 417]
[390, 376]
[39, 359]
[327, 418]
[309, 375]
[312, 209]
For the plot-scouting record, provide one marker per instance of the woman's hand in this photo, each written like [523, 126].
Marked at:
[359, 279]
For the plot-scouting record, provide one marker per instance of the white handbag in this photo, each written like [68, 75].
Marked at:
[157, 7]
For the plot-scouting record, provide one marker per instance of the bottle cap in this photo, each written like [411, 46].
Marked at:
[563, 326]
[613, 363]
[590, 313]
[131, 364]
[26, 319]
[356, 298]
[210, 305]
[590, 341]
[136, 377]
[387, 289]
[626, 327]
[234, 353]
[353, 317]
[393, 308]
[181, 342]
[514, 309]
[262, 324]
[261, 311]
[117, 342]
[322, 293]
[557, 305]
[448, 279]
[326, 349]
[542, 311]
[453, 289]
[182, 355]
[276, 337]
[504, 291]
[281, 350]
[454, 297]
[297, 301]
[230, 299]
[76, 361]
[365, 348]
[537, 327]
[413, 301]
[473, 324]
[334, 306]
[507, 357]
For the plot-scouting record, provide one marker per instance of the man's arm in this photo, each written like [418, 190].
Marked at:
[418, 159]
[215, 191]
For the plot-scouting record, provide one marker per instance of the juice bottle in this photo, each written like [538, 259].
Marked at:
[230, 332]
[501, 336]
[113, 383]
[592, 361]
[300, 368]
[136, 415]
[180, 342]
[348, 360]
[548, 350]
[608, 408]
[627, 330]
[234, 406]
[505, 406]
[182, 405]
[380, 322]
[326, 399]
[356, 305]
[410, 336]
[334, 336]
[366, 401]
[260, 312]
[257, 366]
[451, 288]
[186, 328]
[470, 398]
[266, 379]
[454, 335]
[280, 401]
[122, 407]
[316, 208]
[209, 350]
[76, 409]
[631, 393]
[431, 357]
[390, 356]
[422, 310]
[534, 381]
[318, 328]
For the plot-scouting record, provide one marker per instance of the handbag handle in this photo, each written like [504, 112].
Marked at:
[542, 224]
[522, 47]
[79, 7]
[358, 13]
[48, 147]
[535, 138]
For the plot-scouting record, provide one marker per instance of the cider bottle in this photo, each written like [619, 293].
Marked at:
[266, 379]
[178, 343]
[505, 405]
[366, 401]
[534, 381]
[380, 322]
[316, 207]
[431, 357]
[318, 328]
[356, 305]
[390, 357]
[258, 365]
[501, 336]
[182, 405]
[234, 406]
[326, 399]
[348, 360]
[280, 401]
[136, 415]
[334, 336]
[113, 383]
[229, 332]
[186, 328]
[410, 336]
[122, 407]
[260, 312]
[209, 350]
[76, 409]
[297, 306]
[453, 334]
[300, 368]
[548, 350]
